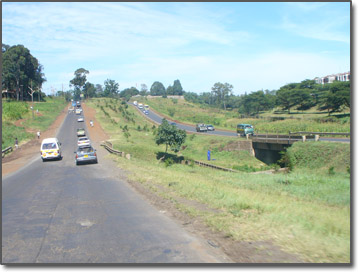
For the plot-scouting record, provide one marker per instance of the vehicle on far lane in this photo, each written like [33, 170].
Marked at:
[201, 128]
[80, 119]
[245, 129]
[210, 127]
[85, 154]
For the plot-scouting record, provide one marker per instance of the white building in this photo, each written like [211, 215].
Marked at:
[330, 78]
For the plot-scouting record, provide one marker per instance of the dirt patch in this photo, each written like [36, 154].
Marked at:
[26, 151]
[96, 132]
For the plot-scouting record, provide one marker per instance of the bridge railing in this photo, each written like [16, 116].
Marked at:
[321, 133]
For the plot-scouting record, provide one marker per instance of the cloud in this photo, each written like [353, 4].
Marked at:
[321, 21]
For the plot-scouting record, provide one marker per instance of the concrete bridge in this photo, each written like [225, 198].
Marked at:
[268, 147]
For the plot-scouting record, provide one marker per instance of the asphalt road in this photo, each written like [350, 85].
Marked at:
[57, 212]
[158, 119]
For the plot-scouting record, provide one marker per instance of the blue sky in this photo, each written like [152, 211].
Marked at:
[252, 46]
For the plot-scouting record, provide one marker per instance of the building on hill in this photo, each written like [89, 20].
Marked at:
[335, 77]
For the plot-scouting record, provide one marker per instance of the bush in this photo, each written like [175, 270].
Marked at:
[331, 171]
[168, 162]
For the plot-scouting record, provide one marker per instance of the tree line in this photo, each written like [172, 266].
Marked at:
[307, 94]
[22, 74]
[331, 97]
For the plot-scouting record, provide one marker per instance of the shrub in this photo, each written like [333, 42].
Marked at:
[168, 162]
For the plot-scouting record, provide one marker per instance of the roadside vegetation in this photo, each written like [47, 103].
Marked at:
[13, 111]
[305, 211]
[273, 121]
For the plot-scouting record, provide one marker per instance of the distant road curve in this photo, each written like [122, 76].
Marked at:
[155, 117]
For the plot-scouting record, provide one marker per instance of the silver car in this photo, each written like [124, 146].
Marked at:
[85, 154]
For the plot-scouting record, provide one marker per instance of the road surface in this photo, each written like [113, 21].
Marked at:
[57, 212]
[158, 119]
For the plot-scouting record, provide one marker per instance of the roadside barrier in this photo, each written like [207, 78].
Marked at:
[109, 147]
[6, 150]
[204, 164]
[321, 133]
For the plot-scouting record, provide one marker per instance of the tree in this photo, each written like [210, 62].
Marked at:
[157, 89]
[89, 90]
[143, 90]
[170, 136]
[177, 88]
[79, 81]
[336, 96]
[99, 90]
[128, 93]
[170, 90]
[19, 68]
[110, 88]
[287, 97]
[221, 92]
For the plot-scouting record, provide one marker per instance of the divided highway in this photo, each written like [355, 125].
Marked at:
[158, 119]
[57, 212]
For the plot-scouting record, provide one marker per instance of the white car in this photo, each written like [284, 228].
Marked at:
[80, 119]
[83, 141]
[50, 149]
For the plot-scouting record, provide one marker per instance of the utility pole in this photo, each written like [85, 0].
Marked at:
[32, 98]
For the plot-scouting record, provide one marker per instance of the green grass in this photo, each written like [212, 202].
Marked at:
[14, 110]
[311, 120]
[49, 111]
[305, 212]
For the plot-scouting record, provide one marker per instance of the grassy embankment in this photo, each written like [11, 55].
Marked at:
[311, 120]
[305, 212]
[13, 111]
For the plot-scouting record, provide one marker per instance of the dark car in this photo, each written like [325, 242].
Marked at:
[85, 154]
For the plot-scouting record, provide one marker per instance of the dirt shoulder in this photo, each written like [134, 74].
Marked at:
[237, 251]
[26, 151]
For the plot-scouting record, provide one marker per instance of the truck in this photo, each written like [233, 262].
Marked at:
[245, 129]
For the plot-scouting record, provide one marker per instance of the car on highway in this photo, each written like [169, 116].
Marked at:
[84, 154]
[201, 128]
[80, 119]
[146, 112]
[210, 127]
[50, 149]
[245, 129]
[78, 111]
[173, 124]
[135, 103]
[83, 141]
[81, 132]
